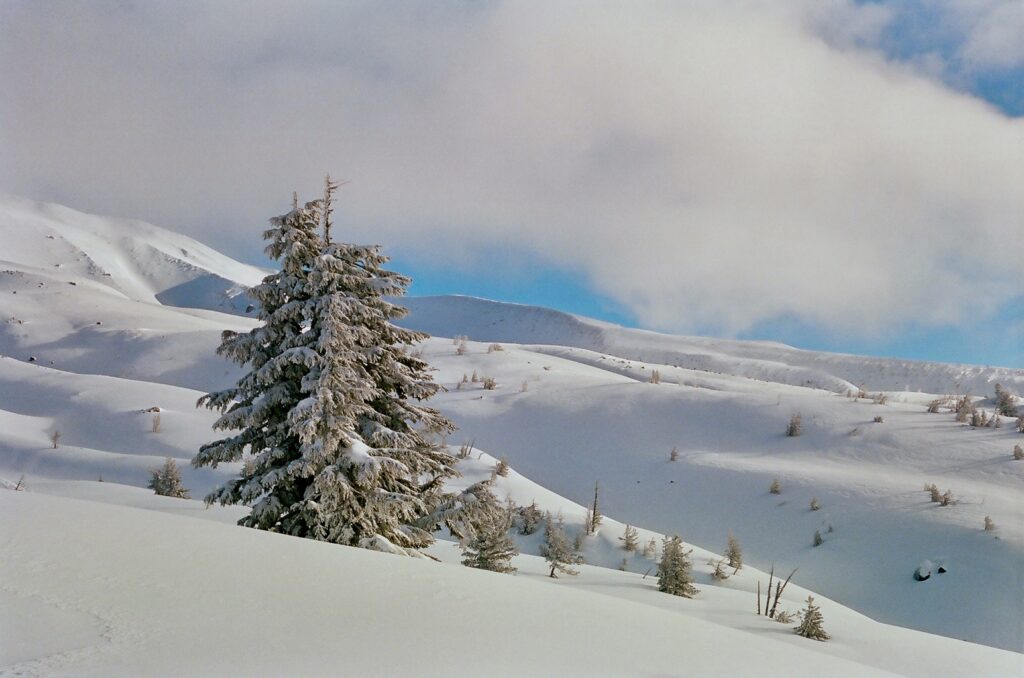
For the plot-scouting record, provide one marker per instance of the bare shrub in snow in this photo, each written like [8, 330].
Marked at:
[947, 498]
[655, 377]
[989, 525]
[1020, 424]
[651, 549]
[673, 455]
[815, 504]
[812, 622]
[166, 481]
[880, 399]
[784, 617]
[1018, 452]
[964, 408]
[490, 383]
[502, 467]
[461, 348]
[796, 426]
[775, 487]
[719, 572]
[878, 420]
[818, 541]
[495, 347]
[934, 405]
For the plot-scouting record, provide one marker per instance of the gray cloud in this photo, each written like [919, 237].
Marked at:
[707, 164]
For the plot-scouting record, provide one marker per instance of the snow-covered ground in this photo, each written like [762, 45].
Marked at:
[102, 578]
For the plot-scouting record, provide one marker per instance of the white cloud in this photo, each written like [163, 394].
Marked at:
[708, 164]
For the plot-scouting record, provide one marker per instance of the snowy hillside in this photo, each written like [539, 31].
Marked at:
[484, 320]
[573, 405]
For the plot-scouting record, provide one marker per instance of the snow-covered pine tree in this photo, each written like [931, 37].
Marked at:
[812, 622]
[556, 548]
[166, 481]
[467, 513]
[651, 548]
[491, 548]
[340, 451]
[675, 569]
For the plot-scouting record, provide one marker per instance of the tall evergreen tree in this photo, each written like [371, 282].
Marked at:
[340, 448]
[675, 569]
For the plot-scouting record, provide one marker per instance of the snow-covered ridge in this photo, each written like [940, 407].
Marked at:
[138, 260]
[485, 320]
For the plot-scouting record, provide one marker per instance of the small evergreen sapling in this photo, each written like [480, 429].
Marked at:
[594, 517]
[629, 538]
[651, 549]
[1018, 453]
[818, 541]
[491, 548]
[673, 455]
[775, 487]
[796, 426]
[812, 622]
[529, 518]
[734, 552]
[556, 548]
[675, 575]
[815, 504]
[166, 481]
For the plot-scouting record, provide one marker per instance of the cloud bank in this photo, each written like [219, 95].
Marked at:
[708, 165]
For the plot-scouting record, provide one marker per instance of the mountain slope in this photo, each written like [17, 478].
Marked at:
[484, 320]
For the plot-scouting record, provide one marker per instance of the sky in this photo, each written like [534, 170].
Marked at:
[833, 174]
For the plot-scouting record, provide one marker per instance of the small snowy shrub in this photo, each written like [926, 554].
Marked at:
[989, 524]
[795, 427]
[1018, 452]
[156, 423]
[878, 420]
[784, 617]
[1006, 402]
[55, 438]
[655, 377]
[818, 541]
[734, 552]
[673, 455]
[490, 383]
[495, 347]
[502, 468]
[775, 487]
[815, 504]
